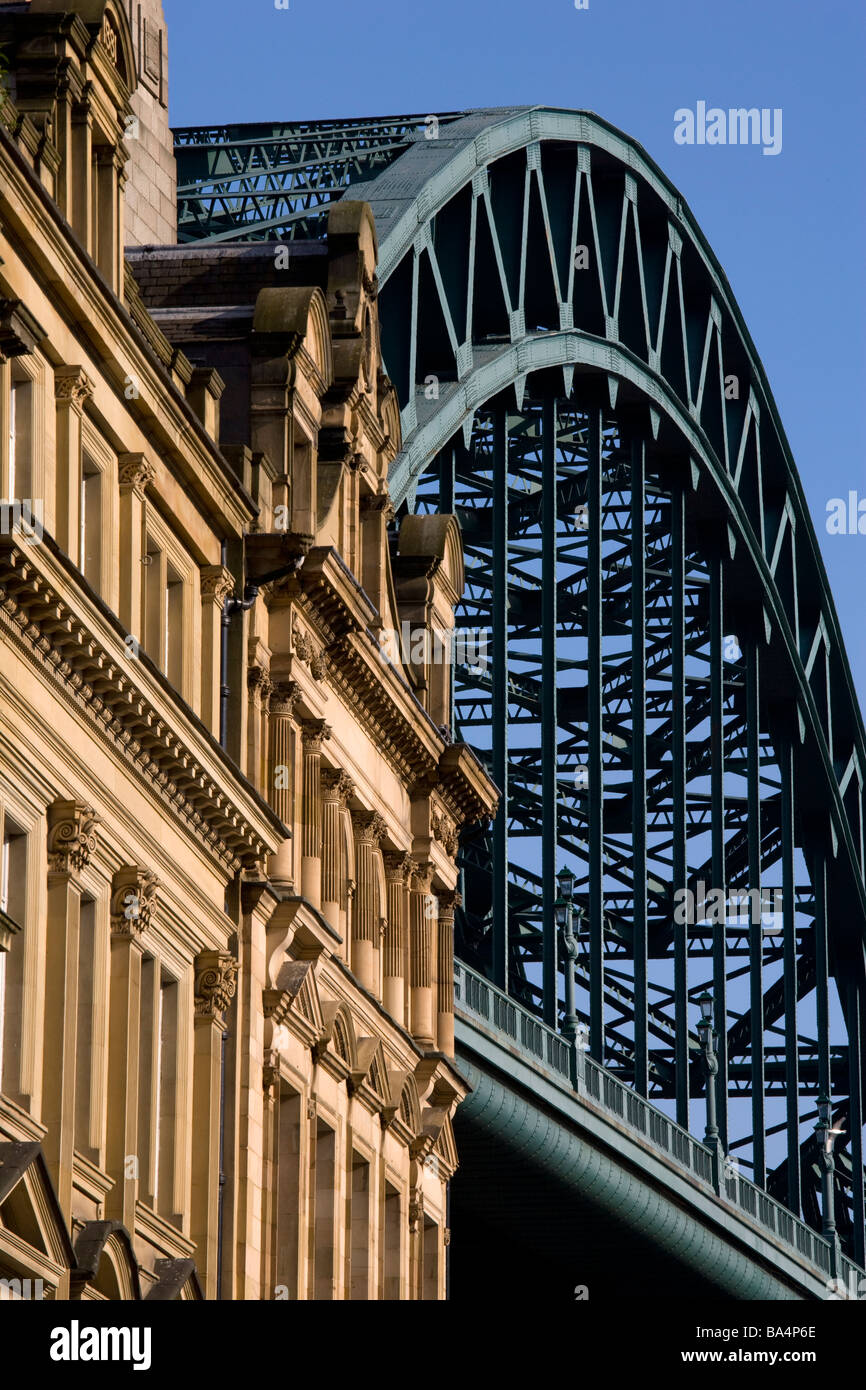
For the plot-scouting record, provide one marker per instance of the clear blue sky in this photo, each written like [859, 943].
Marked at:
[790, 230]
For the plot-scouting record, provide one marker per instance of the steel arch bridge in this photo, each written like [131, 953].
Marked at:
[661, 691]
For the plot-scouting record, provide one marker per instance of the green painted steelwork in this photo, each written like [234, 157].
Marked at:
[564, 344]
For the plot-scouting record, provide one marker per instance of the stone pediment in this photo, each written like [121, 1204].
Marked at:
[29, 1210]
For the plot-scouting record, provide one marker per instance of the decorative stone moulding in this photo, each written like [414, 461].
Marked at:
[133, 898]
[71, 836]
[99, 683]
[216, 975]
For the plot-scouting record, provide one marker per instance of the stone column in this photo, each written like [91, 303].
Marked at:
[71, 841]
[106, 231]
[369, 829]
[135, 474]
[215, 984]
[422, 909]
[398, 867]
[216, 585]
[449, 901]
[132, 899]
[72, 388]
[81, 173]
[245, 1144]
[281, 774]
[336, 790]
[314, 732]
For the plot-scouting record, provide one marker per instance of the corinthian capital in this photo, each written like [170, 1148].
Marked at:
[368, 825]
[133, 892]
[71, 836]
[215, 983]
[314, 732]
[336, 785]
[135, 474]
[73, 385]
[217, 584]
[398, 865]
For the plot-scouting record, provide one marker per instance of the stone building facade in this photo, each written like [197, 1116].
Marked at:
[229, 802]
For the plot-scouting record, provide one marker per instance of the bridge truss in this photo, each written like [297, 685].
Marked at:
[662, 692]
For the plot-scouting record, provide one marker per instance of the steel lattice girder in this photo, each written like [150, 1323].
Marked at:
[562, 337]
[253, 183]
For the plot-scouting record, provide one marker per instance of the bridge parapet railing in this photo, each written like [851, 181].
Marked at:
[571, 1063]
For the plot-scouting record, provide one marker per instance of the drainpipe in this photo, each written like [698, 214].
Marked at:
[222, 1176]
[230, 607]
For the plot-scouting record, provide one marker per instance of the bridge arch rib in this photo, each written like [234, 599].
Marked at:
[665, 699]
[564, 344]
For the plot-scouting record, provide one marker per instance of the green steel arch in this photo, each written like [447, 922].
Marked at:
[664, 698]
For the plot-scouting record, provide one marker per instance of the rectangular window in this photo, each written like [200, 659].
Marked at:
[430, 1271]
[325, 1232]
[166, 1071]
[20, 436]
[157, 1086]
[172, 663]
[90, 516]
[391, 1242]
[86, 1034]
[164, 594]
[288, 1192]
[13, 893]
[359, 1231]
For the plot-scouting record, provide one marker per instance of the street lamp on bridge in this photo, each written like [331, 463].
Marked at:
[826, 1134]
[708, 1039]
[563, 909]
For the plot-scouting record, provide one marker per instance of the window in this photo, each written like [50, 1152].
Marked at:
[392, 1252]
[430, 1261]
[84, 1066]
[166, 1071]
[20, 436]
[166, 618]
[13, 889]
[158, 1055]
[324, 1160]
[359, 1231]
[288, 1191]
[172, 662]
[90, 515]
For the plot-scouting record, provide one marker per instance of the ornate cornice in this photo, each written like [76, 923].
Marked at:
[305, 650]
[133, 895]
[445, 831]
[100, 684]
[19, 330]
[215, 983]
[71, 836]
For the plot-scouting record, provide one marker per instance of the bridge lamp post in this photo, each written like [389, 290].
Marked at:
[826, 1135]
[563, 910]
[708, 1037]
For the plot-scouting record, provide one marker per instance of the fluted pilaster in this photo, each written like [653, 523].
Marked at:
[369, 828]
[281, 771]
[398, 868]
[448, 901]
[422, 912]
[314, 732]
[336, 790]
